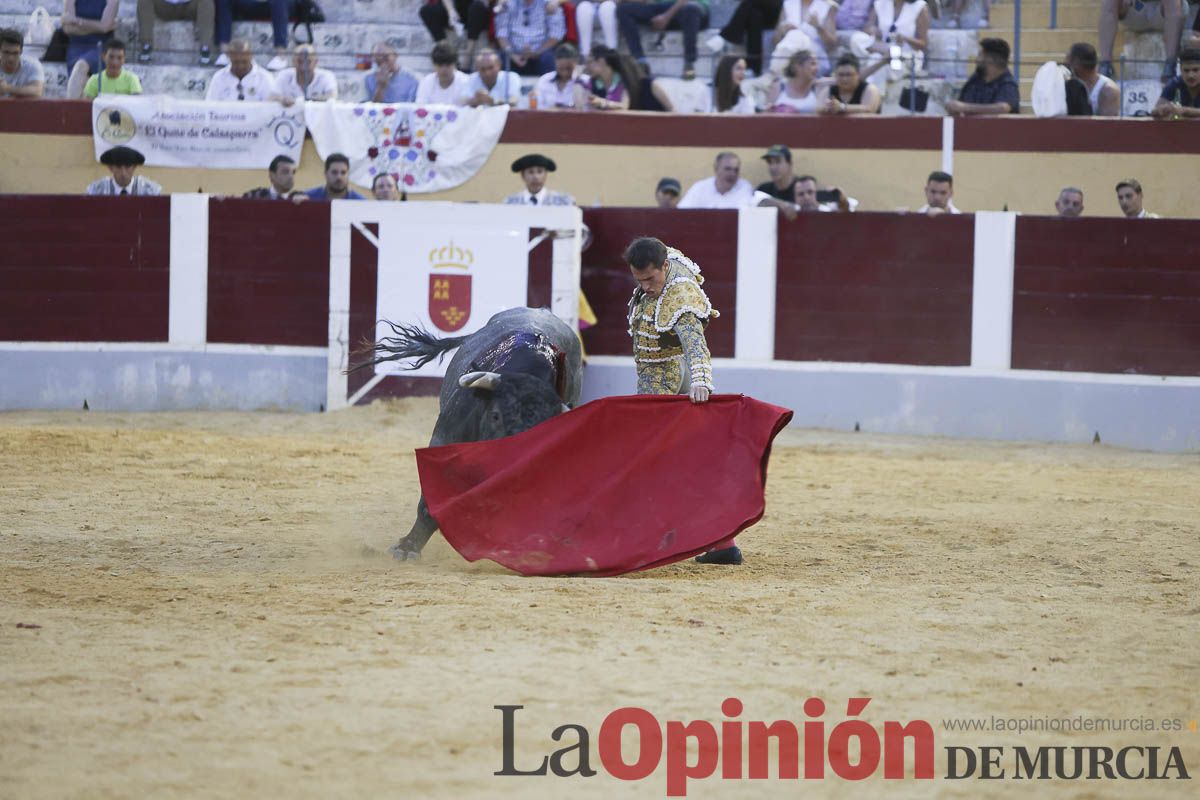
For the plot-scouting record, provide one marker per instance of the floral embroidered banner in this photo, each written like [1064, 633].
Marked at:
[428, 148]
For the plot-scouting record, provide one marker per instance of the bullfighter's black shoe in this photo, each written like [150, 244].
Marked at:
[727, 555]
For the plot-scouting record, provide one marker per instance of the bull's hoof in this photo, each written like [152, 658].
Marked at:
[727, 555]
[401, 553]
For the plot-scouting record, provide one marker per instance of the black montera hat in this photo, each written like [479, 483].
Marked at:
[533, 160]
[122, 156]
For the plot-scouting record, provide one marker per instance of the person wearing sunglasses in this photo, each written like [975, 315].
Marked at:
[243, 80]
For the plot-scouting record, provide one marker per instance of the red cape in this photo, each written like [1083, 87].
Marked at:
[617, 485]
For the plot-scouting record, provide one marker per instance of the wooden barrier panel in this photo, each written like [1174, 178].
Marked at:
[707, 237]
[882, 288]
[268, 272]
[84, 269]
[1097, 295]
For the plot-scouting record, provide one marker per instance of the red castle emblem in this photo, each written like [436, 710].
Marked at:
[450, 295]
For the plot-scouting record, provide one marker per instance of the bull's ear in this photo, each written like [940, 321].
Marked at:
[480, 380]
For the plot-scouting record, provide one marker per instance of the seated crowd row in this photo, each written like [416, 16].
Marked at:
[790, 194]
[610, 81]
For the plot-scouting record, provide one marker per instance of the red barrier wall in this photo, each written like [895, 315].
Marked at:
[76, 269]
[1107, 296]
[875, 287]
[707, 237]
[268, 272]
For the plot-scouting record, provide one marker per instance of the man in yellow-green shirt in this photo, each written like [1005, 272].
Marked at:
[113, 79]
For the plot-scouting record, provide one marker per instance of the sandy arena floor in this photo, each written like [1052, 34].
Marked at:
[217, 617]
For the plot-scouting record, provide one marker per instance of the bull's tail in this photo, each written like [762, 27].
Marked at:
[409, 342]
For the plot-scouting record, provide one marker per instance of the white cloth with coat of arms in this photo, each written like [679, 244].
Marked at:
[429, 148]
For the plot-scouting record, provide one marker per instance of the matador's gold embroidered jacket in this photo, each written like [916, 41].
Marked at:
[668, 330]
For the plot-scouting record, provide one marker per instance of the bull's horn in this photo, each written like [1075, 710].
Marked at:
[565, 408]
[480, 380]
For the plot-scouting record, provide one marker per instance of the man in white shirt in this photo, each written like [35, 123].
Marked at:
[491, 86]
[534, 168]
[939, 194]
[122, 162]
[726, 189]
[561, 89]
[446, 84]
[243, 80]
[304, 80]
[1129, 197]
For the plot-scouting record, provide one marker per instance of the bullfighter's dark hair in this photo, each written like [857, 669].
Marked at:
[940, 177]
[12, 36]
[277, 160]
[645, 253]
[336, 158]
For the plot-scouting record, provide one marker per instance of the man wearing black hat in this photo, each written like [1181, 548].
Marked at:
[533, 169]
[666, 195]
[123, 162]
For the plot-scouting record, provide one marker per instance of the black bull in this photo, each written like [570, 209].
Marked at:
[521, 368]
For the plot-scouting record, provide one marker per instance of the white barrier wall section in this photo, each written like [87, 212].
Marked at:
[562, 225]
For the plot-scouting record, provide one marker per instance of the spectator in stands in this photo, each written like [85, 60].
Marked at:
[1069, 202]
[900, 23]
[389, 82]
[686, 15]
[666, 194]
[202, 12]
[939, 195]
[304, 80]
[123, 162]
[612, 80]
[796, 92]
[87, 24]
[472, 18]
[243, 79]
[586, 12]
[527, 32]
[805, 194]
[1140, 16]
[20, 76]
[850, 94]
[337, 181]
[282, 176]
[992, 89]
[1129, 197]
[817, 20]
[1181, 96]
[750, 19]
[731, 72]
[725, 189]
[279, 11]
[489, 85]
[384, 187]
[561, 88]
[779, 167]
[114, 78]
[533, 169]
[853, 15]
[446, 84]
[1104, 96]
